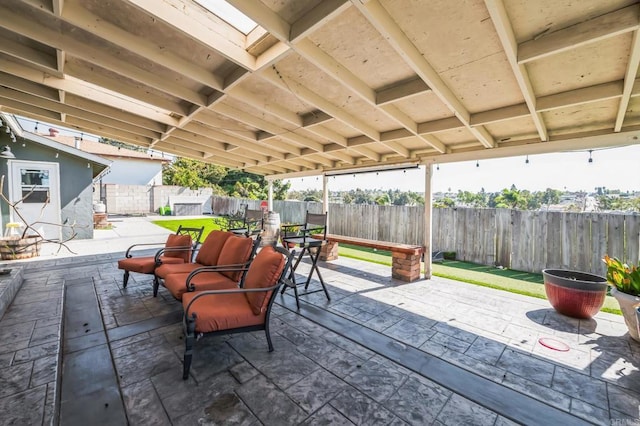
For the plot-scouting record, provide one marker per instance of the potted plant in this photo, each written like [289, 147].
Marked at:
[573, 293]
[625, 287]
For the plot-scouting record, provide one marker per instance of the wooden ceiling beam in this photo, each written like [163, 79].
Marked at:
[210, 31]
[20, 25]
[281, 29]
[401, 90]
[113, 113]
[101, 129]
[503, 27]
[585, 95]
[596, 29]
[54, 105]
[389, 29]
[76, 14]
[157, 107]
[38, 58]
[19, 108]
[232, 140]
[26, 86]
[629, 80]
[192, 141]
[323, 12]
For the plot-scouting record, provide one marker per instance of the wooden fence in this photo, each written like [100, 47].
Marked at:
[517, 239]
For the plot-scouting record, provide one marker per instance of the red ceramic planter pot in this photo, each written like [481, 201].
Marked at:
[573, 293]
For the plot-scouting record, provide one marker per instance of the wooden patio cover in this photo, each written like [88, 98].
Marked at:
[326, 85]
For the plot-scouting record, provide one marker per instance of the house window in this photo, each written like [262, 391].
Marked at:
[34, 185]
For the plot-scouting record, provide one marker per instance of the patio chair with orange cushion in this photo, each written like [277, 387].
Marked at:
[223, 250]
[238, 310]
[178, 249]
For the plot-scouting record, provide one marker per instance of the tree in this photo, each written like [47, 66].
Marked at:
[383, 200]
[195, 174]
[550, 196]
[444, 202]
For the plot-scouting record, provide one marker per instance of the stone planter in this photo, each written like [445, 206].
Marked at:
[628, 304]
[12, 248]
[575, 294]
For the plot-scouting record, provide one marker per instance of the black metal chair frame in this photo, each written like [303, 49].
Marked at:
[301, 235]
[189, 322]
[251, 223]
[195, 233]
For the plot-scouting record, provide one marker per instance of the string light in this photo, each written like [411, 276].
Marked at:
[57, 155]
[81, 137]
[437, 166]
[36, 128]
[590, 158]
[477, 163]
[527, 160]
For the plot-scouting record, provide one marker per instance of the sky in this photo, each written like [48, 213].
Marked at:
[613, 168]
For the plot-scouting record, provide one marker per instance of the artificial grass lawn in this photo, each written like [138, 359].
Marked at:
[173, 224]
[524, 283]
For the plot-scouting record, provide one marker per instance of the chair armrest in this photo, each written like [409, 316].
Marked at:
[205, 293]
[128, 254]
[293, 225]
[162, 251]
[309, 231]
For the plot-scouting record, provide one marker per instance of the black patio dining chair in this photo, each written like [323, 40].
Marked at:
[251, 223]
[309, 236]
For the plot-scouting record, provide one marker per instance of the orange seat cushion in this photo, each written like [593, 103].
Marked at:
[236, 250]
[178, 241]
[147, 264]
[263, 272]
[164, 270]
[212, 247]
[176, 283]
[221, 311]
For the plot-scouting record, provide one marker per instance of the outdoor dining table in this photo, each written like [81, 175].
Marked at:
[310, 246]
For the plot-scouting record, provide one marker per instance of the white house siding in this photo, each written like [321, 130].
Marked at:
[134, 172]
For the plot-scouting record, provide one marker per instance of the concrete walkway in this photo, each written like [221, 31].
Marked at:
[380, 352]
[125, 232]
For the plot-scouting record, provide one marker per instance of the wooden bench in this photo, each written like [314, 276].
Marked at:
[405, 258]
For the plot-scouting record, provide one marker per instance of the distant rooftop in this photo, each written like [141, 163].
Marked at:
[102, 149]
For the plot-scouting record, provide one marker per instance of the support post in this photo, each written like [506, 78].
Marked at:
[325, 197]
[270, 196]
[428, 210]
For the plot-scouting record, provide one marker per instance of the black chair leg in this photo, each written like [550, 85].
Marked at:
[125, 279]
[266, 330]
[188, 347]
[156, 285]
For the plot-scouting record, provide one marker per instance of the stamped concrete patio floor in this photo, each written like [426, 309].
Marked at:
[380, 352]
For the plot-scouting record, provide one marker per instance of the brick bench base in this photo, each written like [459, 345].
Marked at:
[405, 264]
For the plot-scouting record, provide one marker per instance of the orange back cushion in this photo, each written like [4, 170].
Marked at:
[178, 241]
[264, 272]
[211, 248]
[236, 250]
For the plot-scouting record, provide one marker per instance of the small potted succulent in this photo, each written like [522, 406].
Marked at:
[625, 287]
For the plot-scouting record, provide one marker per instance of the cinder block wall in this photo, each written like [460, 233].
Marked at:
[143, 199]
